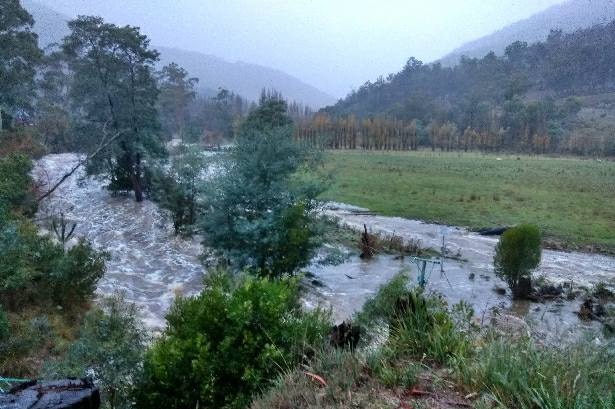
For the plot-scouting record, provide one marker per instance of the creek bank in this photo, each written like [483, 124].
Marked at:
[468, 277]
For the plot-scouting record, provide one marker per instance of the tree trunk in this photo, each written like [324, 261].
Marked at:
[135, 178]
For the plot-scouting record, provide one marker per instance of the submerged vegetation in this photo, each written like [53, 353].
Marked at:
[518, 253]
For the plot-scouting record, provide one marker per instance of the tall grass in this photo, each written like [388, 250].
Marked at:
[525, 375]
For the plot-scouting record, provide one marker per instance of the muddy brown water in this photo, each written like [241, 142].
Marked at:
[151, 266]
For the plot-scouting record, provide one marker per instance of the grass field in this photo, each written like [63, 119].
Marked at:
[572, 200]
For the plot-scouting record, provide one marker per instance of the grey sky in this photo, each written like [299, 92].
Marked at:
[335, 45]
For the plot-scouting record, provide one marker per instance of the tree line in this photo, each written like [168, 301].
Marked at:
[524, 101]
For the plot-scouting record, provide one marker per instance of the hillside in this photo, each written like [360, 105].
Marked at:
[535, 98]
[568, 17]
[242, 78]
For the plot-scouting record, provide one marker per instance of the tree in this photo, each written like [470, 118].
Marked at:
[114, 86]
[176, 94]
[177, 188]
[227, 344]
[265, 198]
[217, 116]
[19, 54]
[53, 120]
[516, 255]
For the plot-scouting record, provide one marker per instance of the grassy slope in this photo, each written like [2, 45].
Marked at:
[572, 200]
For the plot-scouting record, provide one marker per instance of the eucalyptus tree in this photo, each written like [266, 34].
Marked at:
[176, 95]
[19, 55]
[115, 91]
[260, 213]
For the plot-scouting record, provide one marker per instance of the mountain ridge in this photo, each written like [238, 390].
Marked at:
[243, 78]
[568, 16]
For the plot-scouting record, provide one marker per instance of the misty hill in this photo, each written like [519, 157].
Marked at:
[242, 78]
[568, 17]
[528, 96]
[246, 79]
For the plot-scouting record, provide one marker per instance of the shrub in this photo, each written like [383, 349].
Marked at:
[110, 348]
[5, 328]
[16, 185]
[228, 343]
[382, 306]
[516, 255]
[424, 328]
[76, 274]
[36, 271]
[176, 189]
[419, 326]
[20, 141]
[343, 372]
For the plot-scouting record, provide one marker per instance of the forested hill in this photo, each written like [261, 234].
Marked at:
[242, 78]
[565, 64]
[568, 17]
[527, 99]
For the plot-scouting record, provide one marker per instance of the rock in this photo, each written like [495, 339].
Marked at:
[499, 290]
[549, 291]
[510, 325]
[64, 394]
[586, 312]
[345, 335]
[590, 310]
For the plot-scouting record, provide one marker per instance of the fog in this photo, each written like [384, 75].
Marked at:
[335, 45]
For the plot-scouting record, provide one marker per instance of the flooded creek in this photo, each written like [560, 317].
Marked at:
[151, 266]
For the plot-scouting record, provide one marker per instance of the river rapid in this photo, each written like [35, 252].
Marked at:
[151, 266]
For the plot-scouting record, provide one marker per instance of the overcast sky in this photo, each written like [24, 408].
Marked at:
[335, 45]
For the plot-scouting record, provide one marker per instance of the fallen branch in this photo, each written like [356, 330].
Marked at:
[316, 378]
[102, 146]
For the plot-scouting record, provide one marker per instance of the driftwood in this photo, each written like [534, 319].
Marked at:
[492, 231]
[105, 142]
[65, 394]
[367, 244]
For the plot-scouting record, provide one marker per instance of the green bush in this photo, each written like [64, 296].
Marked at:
[420, 326]
[516, 255]
[110, 347]
[15, 185]
[5, 326]
[75, 275]
[228, 343]
[176, 188]
[36, 271]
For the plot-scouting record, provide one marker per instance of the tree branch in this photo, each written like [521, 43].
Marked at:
[105, 142]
